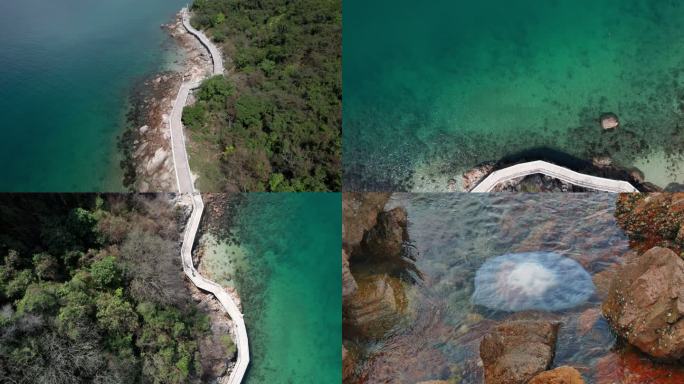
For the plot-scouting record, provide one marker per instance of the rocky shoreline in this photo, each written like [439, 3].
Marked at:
[146, 144]
[631, 332]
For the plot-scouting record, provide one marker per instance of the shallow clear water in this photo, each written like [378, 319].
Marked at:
[454, 236]
[66, 70]
[289, 283]
[432, 89]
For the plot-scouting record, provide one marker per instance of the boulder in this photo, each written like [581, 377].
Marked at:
[385, 240]
[514, 352]
[609, 120]
[359, 214]
[645, 304]
[473, 177]
[374, 306]
[348, 283]
[560, 375]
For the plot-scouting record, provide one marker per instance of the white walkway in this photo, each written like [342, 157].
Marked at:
[186, 186]
[180, 155]
[223, 297]
[553, 170]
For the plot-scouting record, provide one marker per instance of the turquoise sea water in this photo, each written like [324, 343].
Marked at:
[434, 88]
[290, 286]
[66, 70]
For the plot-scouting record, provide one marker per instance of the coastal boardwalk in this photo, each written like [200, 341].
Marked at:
[555, 171]
[186, 187]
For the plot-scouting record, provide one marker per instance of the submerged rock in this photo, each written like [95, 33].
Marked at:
[609, 120]
[645, 304]
[386, 239]
[348, 283]
[560, 375]
[347, 363]
[516, 351]
[631, 367]
[374, 307]
[359, 214]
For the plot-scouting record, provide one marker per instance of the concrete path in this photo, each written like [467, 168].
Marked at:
[180, 156]
[223, 297]
[556, 171]
[186, 186]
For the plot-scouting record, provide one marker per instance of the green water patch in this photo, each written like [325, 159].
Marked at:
[284, 261]
[68, 67]
[432, 90]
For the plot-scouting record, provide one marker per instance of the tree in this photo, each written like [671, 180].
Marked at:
[115, 315]
[106, 273]
[216, 89]
[46, 266]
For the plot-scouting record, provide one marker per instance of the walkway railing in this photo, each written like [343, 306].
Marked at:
[555, 171]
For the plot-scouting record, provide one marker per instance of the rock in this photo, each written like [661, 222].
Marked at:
[588, 319]
[631, 367]
[348, 283]
[144, 129]
[159, 156]
[601, 161]
[347, 363]
[385, 240]
[434, 382]
[451, 185]
[373, 308]
[652, 219]
[359, 214]
[473, 177]
[609, 120]
[645, 304]
[560, 375]
[516, 351]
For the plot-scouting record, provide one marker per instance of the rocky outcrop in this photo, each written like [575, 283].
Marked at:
[348, 283]
[386, 238]
[645, 304]
[473, 177]
[609, 120]
[514, 352]
[560, 375]
[359, 214]
[654, 219]
[373, 308]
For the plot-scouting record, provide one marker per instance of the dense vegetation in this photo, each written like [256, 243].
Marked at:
[276, 119]
[91, 291]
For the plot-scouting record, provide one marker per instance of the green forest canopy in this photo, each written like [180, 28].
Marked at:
[276, 119]
[92, 291]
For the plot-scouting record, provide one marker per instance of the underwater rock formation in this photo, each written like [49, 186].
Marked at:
[516, 351]
[348, 283]
[609, 120]
[560, 375]
[646, 303]
[385, 240]
[359, 214]
[631, 367]
[374, 307]
[531, 281]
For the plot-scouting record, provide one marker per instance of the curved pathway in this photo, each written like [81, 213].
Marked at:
[180, 155]
[223, 297]
[556, 171]
[186, 186]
